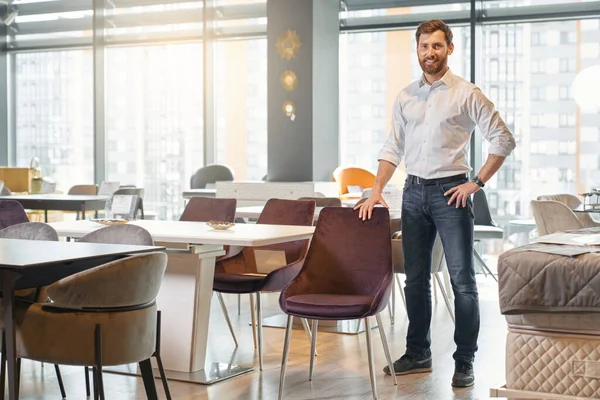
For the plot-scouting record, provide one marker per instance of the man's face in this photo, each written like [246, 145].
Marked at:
[433, 52]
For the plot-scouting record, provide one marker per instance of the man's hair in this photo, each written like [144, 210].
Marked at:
[432, 26]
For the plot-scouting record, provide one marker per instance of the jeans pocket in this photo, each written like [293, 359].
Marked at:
[447, 186]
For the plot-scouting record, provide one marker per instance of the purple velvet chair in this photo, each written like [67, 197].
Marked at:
[239, 275]
[11, 213]
[344, 276]
[209, 209]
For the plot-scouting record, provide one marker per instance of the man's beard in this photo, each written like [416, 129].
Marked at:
[435, 68]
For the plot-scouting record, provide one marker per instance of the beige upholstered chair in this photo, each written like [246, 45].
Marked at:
[103, 316]
[572, 202]
[553, 216]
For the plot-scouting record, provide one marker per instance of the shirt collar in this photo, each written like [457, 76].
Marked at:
[447, 80]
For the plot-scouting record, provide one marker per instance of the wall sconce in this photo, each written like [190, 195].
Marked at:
[288, 44]
[288, 80]
[289, 108]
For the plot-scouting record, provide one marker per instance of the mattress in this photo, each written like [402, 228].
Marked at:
[580, 323]
[533, 281]
[555, 363]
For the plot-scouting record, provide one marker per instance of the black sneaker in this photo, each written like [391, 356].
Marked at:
[463, 374]
[408, 364]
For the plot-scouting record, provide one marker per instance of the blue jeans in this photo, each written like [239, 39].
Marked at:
[425, 212]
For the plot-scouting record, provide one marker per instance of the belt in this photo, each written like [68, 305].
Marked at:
[448, 179]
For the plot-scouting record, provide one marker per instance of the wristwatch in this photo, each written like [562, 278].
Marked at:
[478, 181]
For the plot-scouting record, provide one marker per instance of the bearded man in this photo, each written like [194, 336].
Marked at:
[433, 120]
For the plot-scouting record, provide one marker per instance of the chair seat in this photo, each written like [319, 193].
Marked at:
[487, 232]
[237, 283]
[329, 306]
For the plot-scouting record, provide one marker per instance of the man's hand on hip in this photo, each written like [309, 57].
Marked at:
[461, 193]
[366, 208]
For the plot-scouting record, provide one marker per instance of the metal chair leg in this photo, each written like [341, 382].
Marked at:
[358, 325]
[386, 348]
[87, 381]
[371, 358]
[60, 382]
[445, 296]
[284, 357]
[484, 265]
[161, 370]
[434, 284]
[226, 314]
[259, 331]
[98, 360]
[313, 347]
[308, 331]
[239, 296]
[392, 307]
[401, 291]
[253, 316]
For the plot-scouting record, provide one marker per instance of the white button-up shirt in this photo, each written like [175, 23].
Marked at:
[432, 127]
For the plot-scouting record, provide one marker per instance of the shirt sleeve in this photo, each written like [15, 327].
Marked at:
[393, 149]
[483, 113]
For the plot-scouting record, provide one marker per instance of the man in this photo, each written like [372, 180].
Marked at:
[432, 123]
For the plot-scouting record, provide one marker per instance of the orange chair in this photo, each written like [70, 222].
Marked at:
[352, 176]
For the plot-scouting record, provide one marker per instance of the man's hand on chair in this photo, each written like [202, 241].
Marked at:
[365, 210]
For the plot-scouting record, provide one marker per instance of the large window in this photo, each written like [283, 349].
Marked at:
[555, 140]
[154, 121]
[54, 115]
[241, 107]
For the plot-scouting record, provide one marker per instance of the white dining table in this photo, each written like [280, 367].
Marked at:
[185, 295]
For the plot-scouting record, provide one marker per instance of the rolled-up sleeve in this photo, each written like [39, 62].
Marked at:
[483, 113]
[393, 148]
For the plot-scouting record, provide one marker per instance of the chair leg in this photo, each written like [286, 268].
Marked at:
[284, 357]
[87, 381]
[358, 325]
[484, 265]
[259, 331]
[3, 368]
[435, 296]
[401, 290]
[371, 358]
[98, 360]
[148, 378]
[226, 314]
[163, 377]
[60, 382]
[253, 316]
[392, 307]
[239, 296]
[313, 347]
[445, 296]
[18, 376]
[308, 331]
[386, 348]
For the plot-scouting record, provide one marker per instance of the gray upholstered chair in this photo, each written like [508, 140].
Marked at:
[100, 317]
[210, 174]
[572, 202]
[11, 213]
[4, 191]
[120, 234]
[132, 235]
[553, 216]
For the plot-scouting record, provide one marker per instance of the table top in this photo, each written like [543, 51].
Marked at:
[17, 254]
[199, 232]
[54, 197]
[211, 192]
[523, 222]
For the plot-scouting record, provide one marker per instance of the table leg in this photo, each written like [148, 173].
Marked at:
[45, 215]
[8, 279]
[83, 211]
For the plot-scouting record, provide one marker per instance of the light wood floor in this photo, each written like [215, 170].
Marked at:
[341, 369]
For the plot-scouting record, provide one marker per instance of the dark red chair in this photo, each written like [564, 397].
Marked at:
[238, 274]
[11, 213]
[347, 274]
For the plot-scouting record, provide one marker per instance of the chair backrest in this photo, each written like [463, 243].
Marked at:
[11, 213]
[572, 202]
[210, 174]
[120, 234]
[287, 212]
[553, 216]
[209, 209]
[139, 192]
[347, 256]
[4, 191]
[89, 190]
[127, 282]
[481, 209]
[108, 188]
[352, 176]
[30, 231]
[324, 201]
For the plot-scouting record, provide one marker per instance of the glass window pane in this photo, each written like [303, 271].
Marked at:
[241, 107]
[154, 121]
[54, 114]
